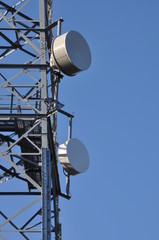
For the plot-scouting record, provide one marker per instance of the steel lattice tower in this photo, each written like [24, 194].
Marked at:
[28, 121]
[28, 106]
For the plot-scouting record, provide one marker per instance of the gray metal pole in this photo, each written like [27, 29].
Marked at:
[56, 198]
[46, 176]
[46, 195]
[70, 128]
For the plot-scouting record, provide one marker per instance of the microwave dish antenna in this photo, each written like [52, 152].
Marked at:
[73, 156]
[70, 53]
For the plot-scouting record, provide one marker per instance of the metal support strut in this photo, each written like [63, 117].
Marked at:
[46, 194]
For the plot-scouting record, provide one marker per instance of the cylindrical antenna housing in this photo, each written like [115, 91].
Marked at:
[70, 53]
[73, 156]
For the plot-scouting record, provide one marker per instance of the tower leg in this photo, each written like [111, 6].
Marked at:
[46, 195]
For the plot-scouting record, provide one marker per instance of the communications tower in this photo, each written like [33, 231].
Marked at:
[34, 55]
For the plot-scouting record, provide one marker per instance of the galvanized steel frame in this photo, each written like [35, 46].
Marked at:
[35, 107]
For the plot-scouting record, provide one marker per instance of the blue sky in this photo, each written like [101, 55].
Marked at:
[116, 105]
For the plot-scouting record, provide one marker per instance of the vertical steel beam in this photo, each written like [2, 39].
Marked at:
[70, 128]
[46, 195]
[46, 187]
[55, 195]
[42, 10]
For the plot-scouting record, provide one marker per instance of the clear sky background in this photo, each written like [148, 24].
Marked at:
[116, 107]
[116, 104]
